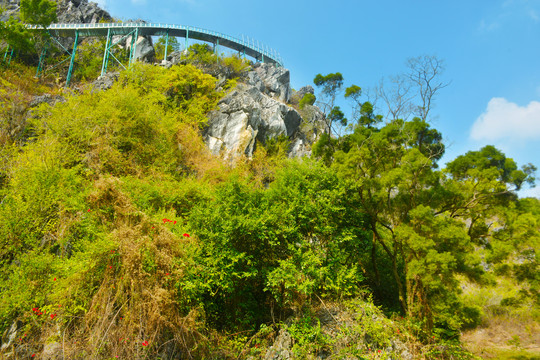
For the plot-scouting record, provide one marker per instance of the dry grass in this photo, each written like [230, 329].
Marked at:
[505, 334]
[134, 311]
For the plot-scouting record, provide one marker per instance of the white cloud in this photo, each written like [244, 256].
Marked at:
[507, 121]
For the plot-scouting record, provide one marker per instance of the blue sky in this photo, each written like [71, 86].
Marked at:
[491, 50]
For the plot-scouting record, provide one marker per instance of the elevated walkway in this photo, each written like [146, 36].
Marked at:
[244, 46]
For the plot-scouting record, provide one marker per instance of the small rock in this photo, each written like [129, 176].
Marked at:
[281, 349]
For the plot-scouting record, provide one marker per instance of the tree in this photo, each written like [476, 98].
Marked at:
[397, 96]
[424, 73]
[391, 172]
[413, 93]
[478, 183]
[172, 45]
[38, 12]
[13, 33]
[330, 85]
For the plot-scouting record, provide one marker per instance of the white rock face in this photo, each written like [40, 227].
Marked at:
[271, 80]
[245, 116]
[255, 112]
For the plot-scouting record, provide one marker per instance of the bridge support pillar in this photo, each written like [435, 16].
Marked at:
[72, 62]
[133, 48]
[216, 47]
[106, 54]
[187, 39]
[42, 59]
[5, 55]
[166, 45]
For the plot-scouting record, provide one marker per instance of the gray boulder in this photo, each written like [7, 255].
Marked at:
[46, 98]
[106, 81]
[281, 349]
[144, 49]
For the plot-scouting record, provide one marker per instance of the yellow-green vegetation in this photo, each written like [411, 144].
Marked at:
[122, 236]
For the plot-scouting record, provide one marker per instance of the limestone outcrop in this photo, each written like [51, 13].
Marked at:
[81, 11]
[246, 116]
[271, 80]
[256, 111]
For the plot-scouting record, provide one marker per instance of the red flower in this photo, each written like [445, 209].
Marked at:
[379, 351]
[186, 235]
[33, 355]
[167, 274]
[88, 210]
[174, 222]
[54, 279]
[145, 343]
[110, 266]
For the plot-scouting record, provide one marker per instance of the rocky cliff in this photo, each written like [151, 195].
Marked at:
[258, 109]
[254, 112]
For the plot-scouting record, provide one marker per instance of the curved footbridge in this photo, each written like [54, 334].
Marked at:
[244, 46]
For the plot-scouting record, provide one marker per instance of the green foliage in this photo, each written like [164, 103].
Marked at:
[307, 336]
[329, 83]
[172, 45]
[14, 34]
[89, 60]
[308, 99]
[248, 254]
[112, 208]
[491, 164]
[201, 54]
[38, 12]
